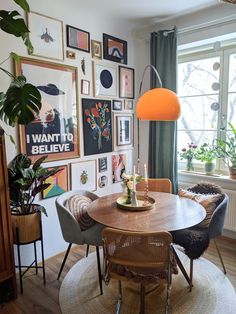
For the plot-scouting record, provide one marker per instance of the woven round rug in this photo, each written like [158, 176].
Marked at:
[212, 292]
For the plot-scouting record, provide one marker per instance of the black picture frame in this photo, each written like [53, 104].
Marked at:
[120, 49]
[72, 43]
[102, 164]
[117, 105]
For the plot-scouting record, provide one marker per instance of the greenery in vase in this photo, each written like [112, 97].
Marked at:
[188, 153]
[128, 181]
[206, 153]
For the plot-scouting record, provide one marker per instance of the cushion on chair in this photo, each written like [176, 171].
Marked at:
[78, 205]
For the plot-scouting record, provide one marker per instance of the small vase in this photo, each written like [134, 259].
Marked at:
[128, 199]
[189, 165]
[209, 167]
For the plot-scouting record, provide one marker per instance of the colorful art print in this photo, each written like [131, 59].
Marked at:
[96, 49]
[126, 82]
[123, 130]
[129, 104]
[118, 167]
[116, 104]
[77, 38]
[58, 183]
[54, 131]
[102, 164]
[85, 87]
[46, 35]
[97, 126]
[105, 80]
[84, 175]
[102, 181]
[114, 49]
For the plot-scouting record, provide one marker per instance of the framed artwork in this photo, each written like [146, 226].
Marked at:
[84, 175]
[116, 104]
[85, 87]
[128, 104]
[114, 49]
[102, 164]
[54, 132]
[118, 167]
[102, 181]
[123, 130]
[58, 183]
[96, 49]
[105, 80]
[97, 126]
[46, 35]
[77, 38]
[126, 82]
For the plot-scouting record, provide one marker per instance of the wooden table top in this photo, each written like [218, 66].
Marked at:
[170, 212]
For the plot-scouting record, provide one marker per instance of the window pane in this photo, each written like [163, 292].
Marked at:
[232, 108]
[232, 73]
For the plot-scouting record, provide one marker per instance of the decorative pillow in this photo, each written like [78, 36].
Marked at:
[78, 206]
[208, 201]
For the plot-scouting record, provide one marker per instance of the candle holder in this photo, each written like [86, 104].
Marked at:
[145, 194]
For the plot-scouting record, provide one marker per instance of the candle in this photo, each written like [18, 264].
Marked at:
[145, 173]
[134, 178]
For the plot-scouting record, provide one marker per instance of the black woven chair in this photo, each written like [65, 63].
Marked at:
[195, 240]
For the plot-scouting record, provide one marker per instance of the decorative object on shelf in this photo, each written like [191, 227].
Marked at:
[189, 154]
[126, 82]
[114, 49]
[102, 164]
[102, 181]
[128, 104]
[104, 80]
[97, 126]
[46, 35]
[123, 130]
[118, 167]
[59, 182]
[96, 49]
[84, 175]
[85, 87]
[77, 38]
[54, 130]
[207, 154]
[116, 104]
[70, 54]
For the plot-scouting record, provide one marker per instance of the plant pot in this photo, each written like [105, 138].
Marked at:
[28, 227]
[232, 173]
[209, 167]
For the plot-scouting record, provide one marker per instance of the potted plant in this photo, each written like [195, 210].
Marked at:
[226, 149]
[26, 180]
[207, 154]
[189, 154]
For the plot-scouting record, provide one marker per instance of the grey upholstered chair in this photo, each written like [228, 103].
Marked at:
[77, 227]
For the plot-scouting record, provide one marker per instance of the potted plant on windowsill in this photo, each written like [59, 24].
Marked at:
[26, 180]
[226, 149]
[207, 154]
[189, 154]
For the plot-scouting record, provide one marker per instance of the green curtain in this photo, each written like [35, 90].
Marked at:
[162, 156]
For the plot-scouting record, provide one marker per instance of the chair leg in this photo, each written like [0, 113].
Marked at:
[191, 274]
[64, 260]
[118, 305]
[142, 299]
[87, 250]
[221, 259]
[99, 269]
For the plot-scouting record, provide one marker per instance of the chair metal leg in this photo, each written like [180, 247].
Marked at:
[99, 269]
[35, 257]
[221, 259]
[118, 305]
[191, 274]
[142, 299]
[64, 260]
[87, 250]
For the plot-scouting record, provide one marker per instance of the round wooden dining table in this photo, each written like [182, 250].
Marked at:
[170, 212]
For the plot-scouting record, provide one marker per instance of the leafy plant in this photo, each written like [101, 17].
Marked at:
[206, 153]
[22, 101]
[188, 153]
[26, 180]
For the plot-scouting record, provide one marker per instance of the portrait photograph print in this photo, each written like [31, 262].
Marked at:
[114, 49]
[77, 38]
[97, 126]
[126, 82]
[54, 132]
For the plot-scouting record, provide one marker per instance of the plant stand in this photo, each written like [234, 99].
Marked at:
[34, 264]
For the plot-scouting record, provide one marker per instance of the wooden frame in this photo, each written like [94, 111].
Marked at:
[84, 175]
[46, 35]
[77, 38]
[114, 49]
[116, 104]
[102, 164]
[85, 87]
[96, 49]
[55, 130]
[128, 104]
[126, 82]
[104, 80]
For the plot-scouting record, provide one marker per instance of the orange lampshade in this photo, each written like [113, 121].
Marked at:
[158, 104]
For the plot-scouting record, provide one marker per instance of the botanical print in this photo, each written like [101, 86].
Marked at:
[118, 167]
[97, 126]
[83, 175]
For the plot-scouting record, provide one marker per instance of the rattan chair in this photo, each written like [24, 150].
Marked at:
[156, 185]
[140, 257]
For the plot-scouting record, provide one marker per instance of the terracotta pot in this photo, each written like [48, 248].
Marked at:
[232, 173]
[28, 227]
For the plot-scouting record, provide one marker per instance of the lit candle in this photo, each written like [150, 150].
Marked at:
[145, 173]
[134, 178]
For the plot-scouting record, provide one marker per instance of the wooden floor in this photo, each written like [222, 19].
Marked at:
[40, 299]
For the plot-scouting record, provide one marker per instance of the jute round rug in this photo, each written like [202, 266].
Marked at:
[212, 292]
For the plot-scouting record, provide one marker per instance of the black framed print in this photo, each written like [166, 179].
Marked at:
[116, 104]
[77, 38]
[114, 49]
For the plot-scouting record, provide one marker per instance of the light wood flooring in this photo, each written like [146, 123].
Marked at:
[40, 299]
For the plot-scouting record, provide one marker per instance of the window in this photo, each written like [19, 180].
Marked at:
[207, 92]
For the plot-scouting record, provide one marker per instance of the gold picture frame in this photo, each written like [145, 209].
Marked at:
[96, 49]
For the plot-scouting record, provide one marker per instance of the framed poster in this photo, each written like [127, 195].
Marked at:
[114, 49]
[97, 126]
[96, 49]
[104, 80]
[46, 35]
[59, 183]
[116, 104]
[84, 175]
[77, 38]
[102, 164]
[54, 132]
[123, 130]
[126, 82]
[118, 167]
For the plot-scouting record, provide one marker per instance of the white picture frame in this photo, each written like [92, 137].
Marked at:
[84, 175]
[104, 80]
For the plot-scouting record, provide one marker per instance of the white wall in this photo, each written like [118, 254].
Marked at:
[70, 12]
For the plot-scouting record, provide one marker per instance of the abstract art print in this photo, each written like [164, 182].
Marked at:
[97, 126]
[114, 49]
[105, 80]
[118, 167]
[123, 130]
[54, 132]
[77, 38]
[102, 164]
[126, 82]
[84, 175]
[46, 35]
[58, 183]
